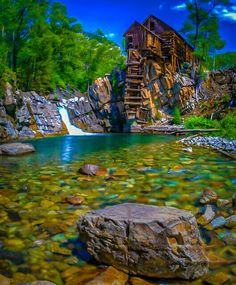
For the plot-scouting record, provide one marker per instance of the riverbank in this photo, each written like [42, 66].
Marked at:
[223, 145]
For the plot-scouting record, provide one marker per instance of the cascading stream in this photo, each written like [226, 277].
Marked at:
[73, 131]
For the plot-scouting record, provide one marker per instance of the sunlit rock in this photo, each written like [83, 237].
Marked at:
[146, 240]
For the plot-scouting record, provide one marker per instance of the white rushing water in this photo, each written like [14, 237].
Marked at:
[73, 131]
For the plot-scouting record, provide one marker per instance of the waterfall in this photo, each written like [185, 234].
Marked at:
[73, 131]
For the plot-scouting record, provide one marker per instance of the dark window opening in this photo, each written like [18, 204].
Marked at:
[130, 42]
[152, 26]
[130, 39]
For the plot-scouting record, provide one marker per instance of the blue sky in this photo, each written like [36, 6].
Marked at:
[115, 16]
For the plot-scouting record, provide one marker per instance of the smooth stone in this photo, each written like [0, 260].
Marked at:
[188, 149]
[223, 202]
[74, 200]
[217, 278]
[4, 280]
[43, 282]
[16, 148]
[230, 238]
[218, 222]
[93, 170]
[145, 240]
[231, 221]
[208, 215]
[208, 196]
[111, 276]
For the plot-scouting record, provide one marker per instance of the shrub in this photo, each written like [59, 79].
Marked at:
[228, 126]
[198, 122]
[176, 116]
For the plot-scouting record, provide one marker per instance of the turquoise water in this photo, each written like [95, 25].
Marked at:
[38, 236]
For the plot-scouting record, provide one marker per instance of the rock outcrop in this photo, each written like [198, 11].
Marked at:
[107, 100]
[163, 91]
[145, 240]
[217, 94]
[28, 115]
[103, 108]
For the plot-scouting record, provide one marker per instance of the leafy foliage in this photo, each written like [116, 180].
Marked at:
[46, 48]
[202, 27]
[222, 61]
[226, 126]
[199, 122]
[176, 116]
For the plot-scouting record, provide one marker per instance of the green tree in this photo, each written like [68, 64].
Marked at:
[45, 48]
[202, 27]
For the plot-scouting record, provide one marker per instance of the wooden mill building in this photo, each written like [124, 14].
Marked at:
[155, 40]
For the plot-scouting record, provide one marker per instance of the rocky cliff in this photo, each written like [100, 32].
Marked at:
[217, 94]
[163, 91]
[28, 115]
[102, 110]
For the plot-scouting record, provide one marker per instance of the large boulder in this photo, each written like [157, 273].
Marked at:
[162, 242]
[16, 148]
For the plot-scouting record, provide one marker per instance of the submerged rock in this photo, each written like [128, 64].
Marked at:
[38, 282]
[217, 279]
[218, 222]
[4, 280]
[208, 215]
[223, 202]
[93, 170]
[208, 196]
[110, 277]
[188, 149]
[231, 221]
[74, 200]
[16, 148]
[162, 242]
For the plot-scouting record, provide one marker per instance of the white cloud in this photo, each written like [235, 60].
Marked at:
[230, 16]
[179, 7]
[226, 14]
[110, 35]
[160, 6]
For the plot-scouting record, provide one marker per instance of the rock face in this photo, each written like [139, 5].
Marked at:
[28, 115]
[163, 91]
[152, 241]
[221, 86]
[107, 100]
[12, 149]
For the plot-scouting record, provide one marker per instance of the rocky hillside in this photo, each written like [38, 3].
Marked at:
[29, 115]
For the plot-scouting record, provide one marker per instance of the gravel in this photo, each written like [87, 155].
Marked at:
[213, 142]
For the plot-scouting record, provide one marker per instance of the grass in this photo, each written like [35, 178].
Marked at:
[199, 122]
[177, 116]
[227, 125]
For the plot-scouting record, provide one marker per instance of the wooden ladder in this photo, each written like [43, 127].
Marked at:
[134, 80]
